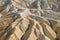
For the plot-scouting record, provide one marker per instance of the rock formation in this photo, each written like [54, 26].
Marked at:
[29, 19]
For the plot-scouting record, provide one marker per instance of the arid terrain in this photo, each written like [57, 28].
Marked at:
[29, 19]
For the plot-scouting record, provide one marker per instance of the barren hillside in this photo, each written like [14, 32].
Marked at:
[29, 19]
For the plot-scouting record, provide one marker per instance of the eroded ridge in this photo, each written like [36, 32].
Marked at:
[29, 20]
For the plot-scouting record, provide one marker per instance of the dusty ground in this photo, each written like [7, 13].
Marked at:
[29, 19]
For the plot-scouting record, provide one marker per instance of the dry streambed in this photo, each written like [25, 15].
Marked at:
[29, 20]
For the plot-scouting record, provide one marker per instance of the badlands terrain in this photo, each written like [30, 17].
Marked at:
[29, 19]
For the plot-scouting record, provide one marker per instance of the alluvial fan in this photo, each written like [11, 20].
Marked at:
[29, 19]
